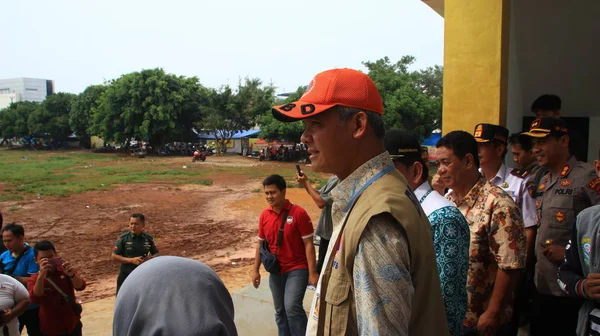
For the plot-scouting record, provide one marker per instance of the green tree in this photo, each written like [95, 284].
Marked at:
[13, 119]
[51, 118]
[412, 100]
[228, 112]
[80, 116]
[273, 129]
[150, 105]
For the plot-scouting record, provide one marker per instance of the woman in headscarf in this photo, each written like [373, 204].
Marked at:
[173, 296]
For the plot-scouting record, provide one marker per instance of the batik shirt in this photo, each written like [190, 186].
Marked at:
[451, 243]
[497, 241]
[383, 287]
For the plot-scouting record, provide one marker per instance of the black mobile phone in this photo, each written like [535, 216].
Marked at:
[299, 170]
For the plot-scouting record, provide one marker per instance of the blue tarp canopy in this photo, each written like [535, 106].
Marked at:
[432, 140]
[237, 135]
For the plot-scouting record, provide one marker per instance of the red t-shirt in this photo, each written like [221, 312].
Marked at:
[56, 316]
[291, 255]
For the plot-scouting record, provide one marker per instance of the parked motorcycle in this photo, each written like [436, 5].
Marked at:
[199, 156]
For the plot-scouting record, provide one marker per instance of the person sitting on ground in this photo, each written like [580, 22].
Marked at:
[193, 301]
[14, 301]
[53, 288]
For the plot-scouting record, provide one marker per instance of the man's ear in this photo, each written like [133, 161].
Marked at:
[564, 141]
[418, 172]
[469, 160]
[360, 124]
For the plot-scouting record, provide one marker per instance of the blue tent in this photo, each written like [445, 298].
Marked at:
[432, 140]
[237, 135]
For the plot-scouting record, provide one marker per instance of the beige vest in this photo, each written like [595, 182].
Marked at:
[389, 194]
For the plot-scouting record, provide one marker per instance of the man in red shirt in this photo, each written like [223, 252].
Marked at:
[57, 314]
[295, 255]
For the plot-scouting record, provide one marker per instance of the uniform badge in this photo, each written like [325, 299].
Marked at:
[478, 131]
[587, 249]
[530, 191]
[566, 183]
[538, 203]
[560, 216]
[504, 185]
[525, 174]
[566, 169]
[542, 186]
[595, 185]
[290, 220]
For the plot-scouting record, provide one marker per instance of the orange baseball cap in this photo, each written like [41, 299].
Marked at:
[344, 87]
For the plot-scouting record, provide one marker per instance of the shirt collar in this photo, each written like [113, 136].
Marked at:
[472, 195]
[348, 189]
[500, 175]
[422, 190]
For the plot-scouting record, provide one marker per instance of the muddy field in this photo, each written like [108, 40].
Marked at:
[215, 224]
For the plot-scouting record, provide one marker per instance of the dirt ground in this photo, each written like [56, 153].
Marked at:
[214, 224]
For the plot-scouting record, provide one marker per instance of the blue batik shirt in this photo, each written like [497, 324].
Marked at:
[451, 238]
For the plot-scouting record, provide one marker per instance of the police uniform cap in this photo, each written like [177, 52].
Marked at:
[490, 132]
[542, 127]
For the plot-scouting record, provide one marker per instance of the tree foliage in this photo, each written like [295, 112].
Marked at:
[273, 129]
[80, 116]
[149, 105]
[51, 118]
[229, 111]
[412, 100]
[13, 119]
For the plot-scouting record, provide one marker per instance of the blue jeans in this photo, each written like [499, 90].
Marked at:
[288, 293]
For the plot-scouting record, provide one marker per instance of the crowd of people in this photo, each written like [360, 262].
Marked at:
[478, 249]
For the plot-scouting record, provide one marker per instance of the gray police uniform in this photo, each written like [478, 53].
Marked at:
[559, 199]
[514, 183]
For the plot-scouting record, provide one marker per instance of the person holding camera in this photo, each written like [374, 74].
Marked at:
[53, 288]
[133, 248]
[14, 301]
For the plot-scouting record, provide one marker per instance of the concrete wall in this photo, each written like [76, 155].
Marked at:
[553, 49]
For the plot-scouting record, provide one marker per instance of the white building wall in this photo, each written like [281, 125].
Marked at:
[554, 50]
[22, 89]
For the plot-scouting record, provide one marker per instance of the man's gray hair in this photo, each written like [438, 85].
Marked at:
[374, 119]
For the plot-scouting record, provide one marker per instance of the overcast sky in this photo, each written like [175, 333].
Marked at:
[78, 43]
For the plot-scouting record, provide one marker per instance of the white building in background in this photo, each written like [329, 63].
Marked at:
[24, 89]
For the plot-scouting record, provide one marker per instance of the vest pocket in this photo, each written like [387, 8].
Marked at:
[337, 306]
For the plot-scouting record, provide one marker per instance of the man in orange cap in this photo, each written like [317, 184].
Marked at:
[379, 274]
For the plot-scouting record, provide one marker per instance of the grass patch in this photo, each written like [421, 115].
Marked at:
[13, 208]
[10, 198]
[204, 182]
[25, 174]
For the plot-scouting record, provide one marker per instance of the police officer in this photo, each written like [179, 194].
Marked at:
[492, 144]
[133, 248]
[568, 188]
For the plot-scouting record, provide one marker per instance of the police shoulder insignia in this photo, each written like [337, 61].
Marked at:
[566, 183]
[595, 185]
[542, 186]
[560, 216]
[565, 171]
